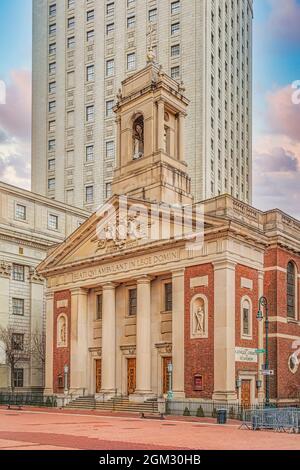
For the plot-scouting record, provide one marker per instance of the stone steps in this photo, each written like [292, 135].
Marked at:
[115, 404]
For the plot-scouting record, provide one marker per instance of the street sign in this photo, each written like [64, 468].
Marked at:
[260, 351]
[267, 372]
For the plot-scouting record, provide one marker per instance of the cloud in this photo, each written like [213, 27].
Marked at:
[283, 22]
[283, 115]
[15, 130]
[278, 160]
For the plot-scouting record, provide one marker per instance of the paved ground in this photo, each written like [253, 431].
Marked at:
[59, 430]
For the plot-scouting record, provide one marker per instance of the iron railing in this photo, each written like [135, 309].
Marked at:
[207, 409]
[27, 399]
[277, 419]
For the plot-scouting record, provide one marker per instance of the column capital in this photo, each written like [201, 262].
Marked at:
[178, 272]
[224, 264]
[109, 286]
[5, 269]
[79, 291]
[145, 279]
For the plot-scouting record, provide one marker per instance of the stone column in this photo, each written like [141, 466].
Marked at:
[49, 343]
[178, 333]
[108, 366]
[5, 273]
[261, 345]
[37, 286]
[224, 331]
[160, 125]
[79, 341]
[143, 340]
[118, 150]
[181, 124]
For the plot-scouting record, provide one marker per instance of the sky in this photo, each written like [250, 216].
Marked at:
[276, 104]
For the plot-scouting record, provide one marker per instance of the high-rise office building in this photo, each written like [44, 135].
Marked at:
[83, 49]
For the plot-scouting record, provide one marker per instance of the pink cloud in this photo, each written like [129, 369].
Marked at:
[284, 20]
[283, 116]
[15, 115]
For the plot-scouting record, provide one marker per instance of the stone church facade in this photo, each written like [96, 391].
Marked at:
[121, 309]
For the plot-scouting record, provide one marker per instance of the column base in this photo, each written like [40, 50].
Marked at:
[105, 395]
[227, 396]
[178, 395]
[48, 392]
[141, 397]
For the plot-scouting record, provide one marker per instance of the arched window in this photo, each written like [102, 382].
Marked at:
[291, 290]
[62, 331]
[138, 137]
[246, 318]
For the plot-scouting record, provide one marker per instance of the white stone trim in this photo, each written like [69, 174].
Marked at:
[246, 298]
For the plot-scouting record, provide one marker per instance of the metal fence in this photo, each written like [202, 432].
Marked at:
[278, 419]
[28, 399]
[207, 409]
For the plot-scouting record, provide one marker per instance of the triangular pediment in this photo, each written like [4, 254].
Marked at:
[120, 225]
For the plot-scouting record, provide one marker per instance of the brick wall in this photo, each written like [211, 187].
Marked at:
[284, 385]
[61, 356]
[199, 353]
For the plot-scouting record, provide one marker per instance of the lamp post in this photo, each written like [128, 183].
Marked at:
[263, 304]
[66, 373]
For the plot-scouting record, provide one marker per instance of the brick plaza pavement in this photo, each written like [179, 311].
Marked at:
[61, 430]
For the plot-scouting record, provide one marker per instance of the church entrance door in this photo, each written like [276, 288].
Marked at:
[246, 393]
[98, 375]
[166, 375]
[131, 376]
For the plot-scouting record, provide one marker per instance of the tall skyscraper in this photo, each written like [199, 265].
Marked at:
[83, 49]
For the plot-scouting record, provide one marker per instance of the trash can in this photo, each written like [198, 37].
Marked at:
[222, 416]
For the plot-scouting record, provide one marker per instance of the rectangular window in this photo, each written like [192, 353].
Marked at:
[17, 341]
[175, 28]
[168, 297]
[175, 50]
[71, 42]
[246, 323]
[51, 145]
[52, 222]
[52, 48]
[108, 190]
[175, 7]
[51, 184]
[52, 10]
[110, 28]
[131, 22]
[89, 194]
[52, 126]
[18, 273]
[110, 149]
[71, 3]
[18, 378]
[99, 303]
[52, 29]
[110, 67]
[131, 61]
[52, 68]
[90, 35]
[109, 108]
[52, 88]
[51, 164]
[52, 106]
[152, 16]
[18, 307]
[130, 3]
[175, 72]
[90, 15]
[132, 307]
[71, 22]
[90, 73]
[110, 8]
[90, 113]
[89, 153]
[20, 212]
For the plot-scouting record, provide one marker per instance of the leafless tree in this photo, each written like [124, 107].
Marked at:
[38, 348]
[17, 349]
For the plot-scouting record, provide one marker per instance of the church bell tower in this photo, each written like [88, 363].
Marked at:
[151, 110]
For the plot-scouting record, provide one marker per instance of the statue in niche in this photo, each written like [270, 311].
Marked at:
[138, 138]
[198, 318]
[62, 332]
